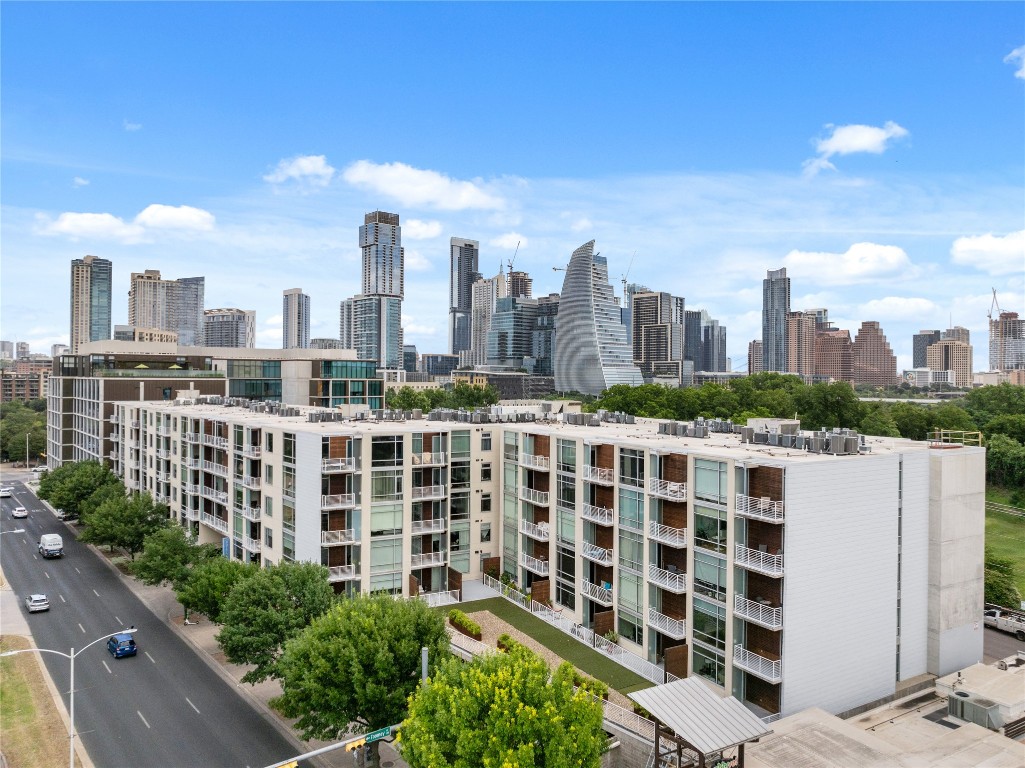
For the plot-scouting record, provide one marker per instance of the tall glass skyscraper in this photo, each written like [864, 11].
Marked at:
[775, 308]
[376, 314]
[380, 239]
[591, 350]
[91, 279]
[462, 275]
[295, 319]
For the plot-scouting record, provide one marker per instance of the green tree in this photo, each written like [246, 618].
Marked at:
[123, 521]
[408, 399]
[470, 396]
[503, 709]
[357, 665]
[828, 405]
[168, 555]
[17, 420]
[103, 525]
[67, 486]
[986, 403]
[262, 613]
[96, 498]
[1000, 581]
[954, 417]
[1005, 461]
[878, 421]
[209, 583]
[1012, 425]
[914, 421]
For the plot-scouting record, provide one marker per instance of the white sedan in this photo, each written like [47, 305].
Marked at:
[19, 512]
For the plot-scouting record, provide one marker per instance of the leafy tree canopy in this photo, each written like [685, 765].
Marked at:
[462, 395]
[18, 419]
[68, 485]
[124, 521]
[209, 583]
[1000, 581]
[168, 555]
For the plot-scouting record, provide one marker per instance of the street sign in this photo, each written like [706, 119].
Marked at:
[380, 733]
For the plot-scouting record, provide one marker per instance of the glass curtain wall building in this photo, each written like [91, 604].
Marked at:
[775, 308]
[91, 279]
[462, 275]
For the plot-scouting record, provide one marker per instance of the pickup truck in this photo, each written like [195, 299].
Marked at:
[1006, 621]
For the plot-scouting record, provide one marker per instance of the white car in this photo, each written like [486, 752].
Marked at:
[37, 603]
[38, 469]
[19, 512]
[6, 492]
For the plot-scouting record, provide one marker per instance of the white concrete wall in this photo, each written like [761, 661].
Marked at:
[914, 565]
[840, 588]
[307, 492]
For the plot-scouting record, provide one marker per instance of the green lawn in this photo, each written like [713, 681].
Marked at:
[587, 660]
[1005, 536]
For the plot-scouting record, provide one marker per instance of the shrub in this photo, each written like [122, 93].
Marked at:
[507, 643]
[589, 684]
[464, 624]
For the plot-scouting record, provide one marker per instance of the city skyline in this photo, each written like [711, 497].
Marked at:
[875, 202]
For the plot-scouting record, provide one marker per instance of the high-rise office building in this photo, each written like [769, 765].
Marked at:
[229, 328]
[378, 336]
[295, 319]
[520, 284]
[410, 358]
[833, 359]
[713, 347]
[872, 360]
[957, 333]
[591, 353]
[484, 296]
[168, 305]
[510, 334]
[1006, 342]
[801, 343]
[91, 286]
[380, 239]
[754, 356]
[542, 337]
[658, 333]
[21, 350]
[951, 355]
[775, 309]
[347, 323]
[6, 350]
[463, 274]
[920, 342]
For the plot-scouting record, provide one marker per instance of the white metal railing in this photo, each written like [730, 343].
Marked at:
[214, 522]
[221, 497]
[434, 599]
[674, 537]
[251, 481]
[160, 498]
[338, 465]
[113, 455]
[427, 492]
[541, 531]
[132, 444]
[667, 625]
[534, 497]
[344, 536]
[249, 513]
[538, 566]
[674, 581]
[762, 508]
[599, 515]
[434, 525]
[599, 594]
[191, 514]
[113, 419]
[163, 431]
[190, 488]
[667, 490]
[759, 613]
[770, 670]
[192, 462]
[599, 475]
[162, 477]
[756, 560]
[217, 469]
[253, 545]
[772, 718]
[338, 501]
[597, 554]
[163, 453]
[216, 442]
[252, 451]
[428, 559]
[191, 437]
[617, 653]
[428, 459]
[135, 424]
[342, 573]
[535, 461]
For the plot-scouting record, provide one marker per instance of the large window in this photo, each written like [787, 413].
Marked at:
[631, 509]
[630, 591]
[631, 467]
[566, 455]
[385, 555]
[459, 506]
[710, 528]
[386, 485]
[710, 575]
[631, 627]
[710, 664]
[710, 624]
[460, 444]
[567, 526]
[288, 447]
[386, 451]
[385, 519]
[510, 447]
[566, 491]
[485, 441]
[710, 480]
[631, 550]
[460, 474]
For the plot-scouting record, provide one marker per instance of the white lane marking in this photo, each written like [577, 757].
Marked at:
[76, 569]
[149, 657]
[117, 620]
[142, 718]
[81, 628]
[96, 593]
[46, 574]
[106, 667]
[192, 705]
[61, 597]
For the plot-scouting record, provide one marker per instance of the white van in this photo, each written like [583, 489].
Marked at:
[51, 545]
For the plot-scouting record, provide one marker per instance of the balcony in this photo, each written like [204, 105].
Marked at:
[428, 459]
[428, 559]
[163, 453]
[674, 537]
[667, 625]
[253, 545]
[769, 670]
[599, 515]
[190, 488]
[427, 492]
[162, 477]
[533, 564]
[193, 463]
[335, 538]
[759, 613]
[421, 527]
[251, 481]
[161, 498]
[601, 595]
[535, 462]
[216, 442]
[756, 560]
[534, 497]
[113, 455]
[599, 475]
[163, 431]
[342, 573]
[673, 580]
[666, 490]
[132, 444]
[217, 469]
[252, 451]
[214, 522]
[249, 513]
[191, 437]
[540, 532]
[221, 497]
[338, 501]
[191, 514]
[331, 466]
[762, 508]
[135, 424]
[597, 554]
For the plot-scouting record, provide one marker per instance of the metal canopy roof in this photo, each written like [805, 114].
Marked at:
[695, 713]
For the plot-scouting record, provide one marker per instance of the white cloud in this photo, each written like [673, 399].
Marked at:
[131, 126]
[414, 229]
[159, 216]
[1017, 55]
[849, 139]
[415, 261]
[581, 224]
[898, 308]
[310, 169]
[417, 187]
[411, 326]
[97, 226]
[861, 263]
[78, 181]
[991, 253]
[509, 241]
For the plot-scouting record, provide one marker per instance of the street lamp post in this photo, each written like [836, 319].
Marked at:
[71, 692]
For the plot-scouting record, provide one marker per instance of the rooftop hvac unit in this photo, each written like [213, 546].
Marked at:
[773, 438]
[851, 444]
[630, 419]
[836, 445]
[418, 413]
[761, 438]
[818, 443]
[799, 441]
[747, 434]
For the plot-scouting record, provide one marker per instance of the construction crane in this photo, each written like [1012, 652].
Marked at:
[513, 259]
[627, 274]
[992, 304]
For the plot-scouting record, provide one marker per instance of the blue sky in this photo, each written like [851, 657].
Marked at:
[877, 150]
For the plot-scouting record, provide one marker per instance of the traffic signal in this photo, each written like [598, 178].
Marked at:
[355, 744]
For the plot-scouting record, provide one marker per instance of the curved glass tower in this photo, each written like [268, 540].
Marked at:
[591, 350]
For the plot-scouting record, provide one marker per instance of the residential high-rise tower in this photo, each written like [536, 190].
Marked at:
[484, 296]
[775, 309]
[1006, 342]
[377, 312]
[295, 319]
[229, 328]
[168, 305]
[463, 274]
[91, 280]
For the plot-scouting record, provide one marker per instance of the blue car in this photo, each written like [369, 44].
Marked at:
[122, 645]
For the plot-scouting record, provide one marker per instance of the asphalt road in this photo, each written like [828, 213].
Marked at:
[164, 707]
[999, 645]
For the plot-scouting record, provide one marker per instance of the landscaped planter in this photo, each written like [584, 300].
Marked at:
[464, 625]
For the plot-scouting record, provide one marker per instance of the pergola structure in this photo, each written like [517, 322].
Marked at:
[688, 714]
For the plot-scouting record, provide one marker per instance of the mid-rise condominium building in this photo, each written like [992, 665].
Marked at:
[775, 310]
[952, 355]
[788, 569]
[591, 353]
[295, 319]
[170, 305]
[463, 257]
[872, 360]
[801, 330]
[91, 291]
[131, 333]
[229, 328]
[1006, 342]
[754, 356]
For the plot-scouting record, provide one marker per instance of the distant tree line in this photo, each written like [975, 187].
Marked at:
[18, 419]
[462, 395]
